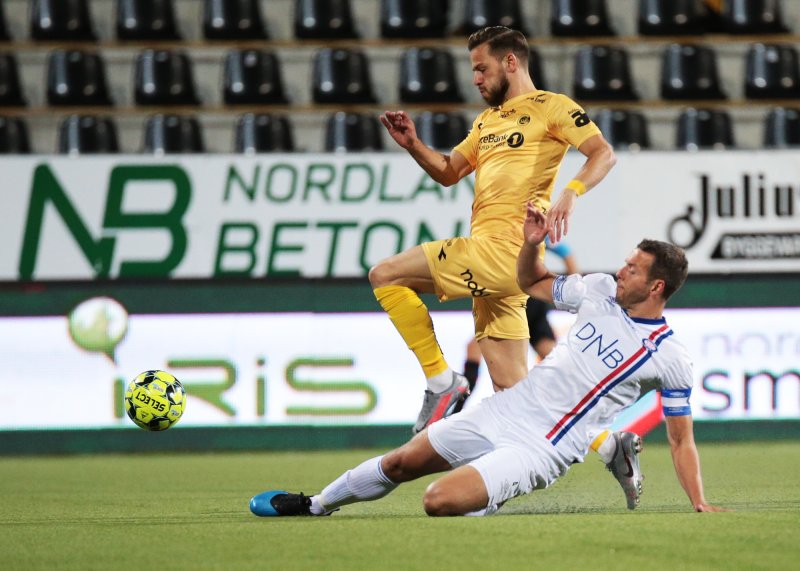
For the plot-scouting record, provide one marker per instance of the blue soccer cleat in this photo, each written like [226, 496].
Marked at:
[280, 503]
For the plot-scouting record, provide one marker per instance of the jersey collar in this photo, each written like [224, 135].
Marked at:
[644, 321]
[514, 100]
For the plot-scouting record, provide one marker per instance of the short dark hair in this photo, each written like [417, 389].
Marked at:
[669, 264]
[501, 40]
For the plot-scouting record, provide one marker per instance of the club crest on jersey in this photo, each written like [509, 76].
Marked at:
[524, 120]
[649, 345]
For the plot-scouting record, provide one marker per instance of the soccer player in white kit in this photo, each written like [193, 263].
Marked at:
[524, 438]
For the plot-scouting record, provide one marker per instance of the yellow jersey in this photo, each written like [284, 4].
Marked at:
[516, 150]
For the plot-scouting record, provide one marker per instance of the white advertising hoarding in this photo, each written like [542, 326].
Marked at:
[304, 368]
[336, 215]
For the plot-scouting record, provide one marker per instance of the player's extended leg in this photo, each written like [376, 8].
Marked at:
[397, 281]
[506, 359]
[370, 480]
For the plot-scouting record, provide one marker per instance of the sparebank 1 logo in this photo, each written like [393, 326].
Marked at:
[99, 252]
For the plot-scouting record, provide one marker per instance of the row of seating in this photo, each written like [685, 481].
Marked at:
[345, 131]
[426, 75]
[234, 20]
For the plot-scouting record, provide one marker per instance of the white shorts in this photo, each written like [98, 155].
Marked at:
[510, 453]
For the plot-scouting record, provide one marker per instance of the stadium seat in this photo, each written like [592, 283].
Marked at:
[14, 136]
[623, 129]
[753, 17]
[690, 72]
[413, 18]
[163, 77]
[263, 133]
[146, 20]
[580, 18]
[323, 20]
[705, 129]
[233, 20]
[341, 75]
[671, 17]
[772, 72]
[602, 73]
[536, 69]
[481, 13]
[345, 132]
[76, 78]
[441, 130]
[4, 35]
[61, 21]
[782, 128]
[173, 134]
[252, 77]
[86, 134]
[428, 75]
[10, 85]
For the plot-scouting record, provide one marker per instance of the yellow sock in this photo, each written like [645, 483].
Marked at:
[413, 322]
[598, 442]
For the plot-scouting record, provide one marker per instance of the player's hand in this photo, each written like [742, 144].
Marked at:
[558, 216]
[709, 508]
[535, 228]
[400, 127]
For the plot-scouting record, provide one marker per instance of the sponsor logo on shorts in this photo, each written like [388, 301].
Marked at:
[474, 288]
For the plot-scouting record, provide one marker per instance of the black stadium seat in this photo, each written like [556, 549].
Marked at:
[252, 77]
[146, 20]
[233, 20]
[782, 128]
[690, 72]
[772, 71]
[705, 129]
[428, 75]
[164, 77]
[10, 85]
[623, 129]
[341, 75]
[481, 13]
[580, 18]
[324, 20]
[441, 130]
[14, 136]
[61, 21]
[671, 17]
[263, 133]
[602, 73]
[76, 78]
[87, 134]
[345, 132]
[413, 18]
[171, 134]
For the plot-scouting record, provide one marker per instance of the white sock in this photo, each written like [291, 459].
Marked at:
[440, 382]
[607, 449]
[365, 482]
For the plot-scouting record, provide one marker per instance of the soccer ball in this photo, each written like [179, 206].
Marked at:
[155, 400]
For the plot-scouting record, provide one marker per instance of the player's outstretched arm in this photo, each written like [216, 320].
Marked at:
[600, 159]
[532, 275]
[687, 461]
[444, 169]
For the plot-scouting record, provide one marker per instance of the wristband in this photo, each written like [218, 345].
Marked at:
[577, 186]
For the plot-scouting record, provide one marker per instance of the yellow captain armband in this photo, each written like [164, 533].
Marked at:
[577, 186]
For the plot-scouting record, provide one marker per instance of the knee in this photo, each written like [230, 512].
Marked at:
[379, 275]
[438, 501]
[395, 466]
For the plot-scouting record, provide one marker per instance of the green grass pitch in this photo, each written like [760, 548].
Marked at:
[181, 511]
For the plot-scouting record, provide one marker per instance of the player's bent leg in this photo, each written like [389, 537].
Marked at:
[506, 360]
[408, 269]
[460, 492]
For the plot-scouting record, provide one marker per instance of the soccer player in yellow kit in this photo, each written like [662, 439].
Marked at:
[515, 148]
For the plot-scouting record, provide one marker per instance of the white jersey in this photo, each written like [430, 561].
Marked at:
[599, 368]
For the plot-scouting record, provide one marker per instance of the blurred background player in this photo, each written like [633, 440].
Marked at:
[515, 149]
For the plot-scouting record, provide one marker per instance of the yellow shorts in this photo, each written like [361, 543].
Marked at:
[484, 269]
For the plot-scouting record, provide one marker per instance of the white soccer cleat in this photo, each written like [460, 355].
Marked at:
[625, 466]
